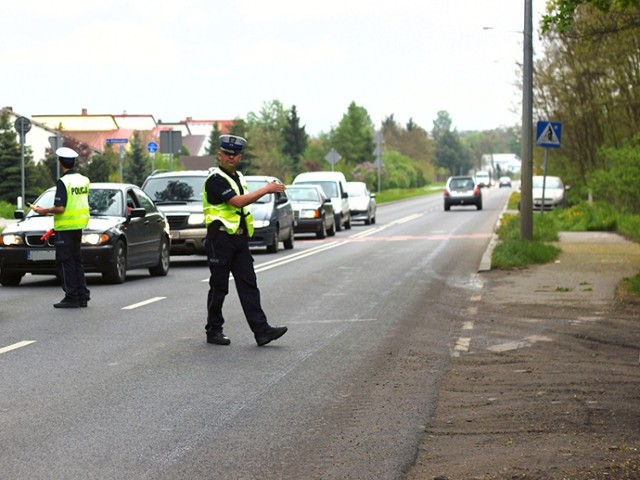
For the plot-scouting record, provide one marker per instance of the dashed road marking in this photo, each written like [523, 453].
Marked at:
[17, 345]
[143, 303]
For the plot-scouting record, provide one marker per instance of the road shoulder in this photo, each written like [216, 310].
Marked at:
[548, 387]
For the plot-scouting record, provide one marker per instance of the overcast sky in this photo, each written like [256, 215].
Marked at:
[208, 59]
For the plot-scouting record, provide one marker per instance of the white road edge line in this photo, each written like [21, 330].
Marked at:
[16, 346]
[142, 304]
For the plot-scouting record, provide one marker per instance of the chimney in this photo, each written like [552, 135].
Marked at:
[84, 112]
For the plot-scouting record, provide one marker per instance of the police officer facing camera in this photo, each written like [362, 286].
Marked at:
[227, 215]
[70, 215]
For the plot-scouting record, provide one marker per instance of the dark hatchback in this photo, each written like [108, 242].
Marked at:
[272, 216]
[312, 209]
[125, 232]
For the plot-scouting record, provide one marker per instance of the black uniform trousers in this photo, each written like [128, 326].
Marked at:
[69, 262]
[230, 254]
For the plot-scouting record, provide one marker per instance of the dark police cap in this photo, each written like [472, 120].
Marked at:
[232, 143]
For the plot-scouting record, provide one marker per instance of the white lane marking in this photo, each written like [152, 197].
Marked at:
[462, 345]
[327, 246]
[142, 304]
[467, 326]
[16, 346]
[517, 344]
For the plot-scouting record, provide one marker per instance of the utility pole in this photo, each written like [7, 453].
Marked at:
[526, 153]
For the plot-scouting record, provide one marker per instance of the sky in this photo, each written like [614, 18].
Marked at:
[213, 60]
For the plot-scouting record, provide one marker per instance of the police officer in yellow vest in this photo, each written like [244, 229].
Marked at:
[227, 215]
[71, 215]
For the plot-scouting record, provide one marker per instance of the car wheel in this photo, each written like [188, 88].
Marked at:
[10, 279]
[368, 220]
[289, 242]
[322, 233]
[479, 205]
[162, 268]
[447, 207]
[117, 270]
[273, 247]
[347, 224]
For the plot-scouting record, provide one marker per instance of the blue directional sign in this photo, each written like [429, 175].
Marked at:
[548, 134]
[117, 140]
[152, 147]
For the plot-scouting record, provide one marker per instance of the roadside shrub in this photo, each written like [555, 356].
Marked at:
[518, 253]
[599, 217]
[6, 209]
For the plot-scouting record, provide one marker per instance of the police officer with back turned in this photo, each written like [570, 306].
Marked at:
[226, 201]
[70, 215]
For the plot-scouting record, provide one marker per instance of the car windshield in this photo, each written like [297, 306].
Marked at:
[102, 202]
[356, 190]
[303, 194]
[330, 188]
[105, 202]
[255, 185]
[175, 190]
[461, 184]
[552, 182]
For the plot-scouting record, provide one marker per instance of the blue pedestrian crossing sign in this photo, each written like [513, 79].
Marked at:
[548, 134]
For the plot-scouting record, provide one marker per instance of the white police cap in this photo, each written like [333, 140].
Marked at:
[67, 153]
[232, 143]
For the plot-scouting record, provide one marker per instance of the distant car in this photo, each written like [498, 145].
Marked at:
[362, 203]
[461, 191]
[504, 182]
[179, 196]
[312, 209]
[273, 219]
[483, 179]
[555, 193]
[334, 185]
[126, 231]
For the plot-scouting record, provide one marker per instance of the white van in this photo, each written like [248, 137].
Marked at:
[334, 185]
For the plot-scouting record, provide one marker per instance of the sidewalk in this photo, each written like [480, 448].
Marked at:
[550, 384]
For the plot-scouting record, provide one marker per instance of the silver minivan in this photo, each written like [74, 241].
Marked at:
[334, 185]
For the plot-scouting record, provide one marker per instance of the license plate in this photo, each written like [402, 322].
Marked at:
[175, 235]
[41, 255]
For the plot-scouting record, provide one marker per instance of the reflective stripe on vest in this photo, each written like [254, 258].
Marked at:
[229, 215]
[76, 212]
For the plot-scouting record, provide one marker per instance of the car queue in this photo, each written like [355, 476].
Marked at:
[134, 227]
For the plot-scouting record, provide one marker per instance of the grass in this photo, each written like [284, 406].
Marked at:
[395, 194]
[512, 252]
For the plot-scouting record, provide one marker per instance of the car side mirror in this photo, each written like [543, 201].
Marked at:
[282, 199]
[327, 200]
[137, 212]
[18, 214]
[345, 195]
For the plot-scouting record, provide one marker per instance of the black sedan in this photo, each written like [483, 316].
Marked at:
[125, 232]
[312, 209]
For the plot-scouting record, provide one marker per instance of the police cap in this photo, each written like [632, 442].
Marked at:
[232, 143]
[66, 155]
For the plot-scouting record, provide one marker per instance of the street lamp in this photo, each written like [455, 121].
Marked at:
[526, 145]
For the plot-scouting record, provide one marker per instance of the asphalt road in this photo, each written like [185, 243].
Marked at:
[128, 388]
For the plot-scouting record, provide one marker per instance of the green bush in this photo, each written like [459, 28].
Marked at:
[514, 253]
[6, 209]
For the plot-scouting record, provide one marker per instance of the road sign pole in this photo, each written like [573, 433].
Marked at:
[526, 153]
[121, 162]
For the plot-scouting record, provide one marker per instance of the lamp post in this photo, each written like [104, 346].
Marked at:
[526, 142]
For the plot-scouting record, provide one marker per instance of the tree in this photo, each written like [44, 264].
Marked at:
[588, 79]
[214, 139]
[10, 161]
[136, 164]
[354, 137]
[451, 155]
[561, 13]
[295, 139]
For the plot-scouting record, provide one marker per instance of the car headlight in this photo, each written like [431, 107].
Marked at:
[260, 223]
[196, 219]
[95, 238]
[10, 239]
[307, 213]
